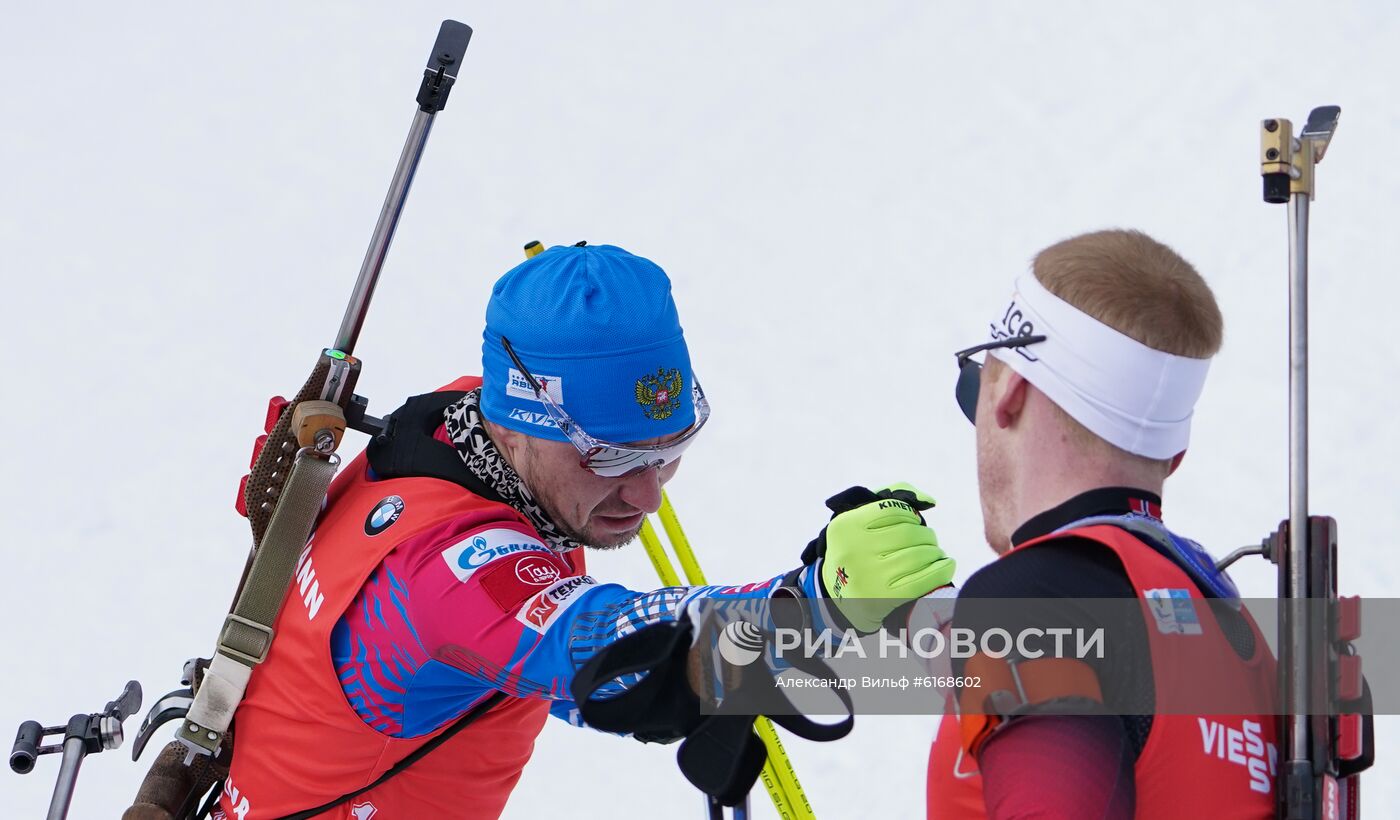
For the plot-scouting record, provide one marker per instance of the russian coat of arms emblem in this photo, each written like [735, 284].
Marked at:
[660, 395]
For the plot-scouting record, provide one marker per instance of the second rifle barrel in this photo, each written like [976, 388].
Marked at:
[73, 752]
[1299, 581]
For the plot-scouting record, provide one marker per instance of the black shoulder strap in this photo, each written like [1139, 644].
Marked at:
[407, 449]
[417, 754]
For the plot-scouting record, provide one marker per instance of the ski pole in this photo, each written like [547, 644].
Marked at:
[679, 542]
[652, 544]
[713, 808]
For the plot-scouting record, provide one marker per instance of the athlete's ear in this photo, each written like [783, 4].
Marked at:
[508, 441]
[1176, 462]
[1011, 398]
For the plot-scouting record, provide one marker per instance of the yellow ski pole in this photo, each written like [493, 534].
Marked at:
[679, 542]
[657, 554]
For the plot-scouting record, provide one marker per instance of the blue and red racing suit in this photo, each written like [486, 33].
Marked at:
[416, 601]
[445, 621]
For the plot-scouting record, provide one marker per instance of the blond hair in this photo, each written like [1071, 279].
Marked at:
[1139, 287]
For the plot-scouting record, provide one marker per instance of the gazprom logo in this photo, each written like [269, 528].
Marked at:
[476, 551]
[531, 417]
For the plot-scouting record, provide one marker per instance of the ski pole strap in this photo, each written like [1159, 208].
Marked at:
[720, 754]
[778, 777]
[246, 636]
[657, 707]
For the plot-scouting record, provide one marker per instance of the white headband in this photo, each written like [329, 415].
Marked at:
[1125, 392]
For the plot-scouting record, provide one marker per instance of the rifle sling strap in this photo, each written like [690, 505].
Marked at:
[246, 636]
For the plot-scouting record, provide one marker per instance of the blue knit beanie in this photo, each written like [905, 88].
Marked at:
[599, 327]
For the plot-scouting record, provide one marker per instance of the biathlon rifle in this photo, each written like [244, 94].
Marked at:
[292, 467]
[1326, 730]
[83, 735]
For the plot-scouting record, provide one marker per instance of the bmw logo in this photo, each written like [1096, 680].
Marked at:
[383, 515]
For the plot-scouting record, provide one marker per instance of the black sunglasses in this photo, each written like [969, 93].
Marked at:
[970, 372]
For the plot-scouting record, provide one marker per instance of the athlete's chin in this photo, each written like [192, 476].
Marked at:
[607, 532]
[611, 542]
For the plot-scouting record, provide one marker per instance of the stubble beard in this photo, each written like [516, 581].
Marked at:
[618, 543]
[543, 492]
[588, 538]
[544, 496]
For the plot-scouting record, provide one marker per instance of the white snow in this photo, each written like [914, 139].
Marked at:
[842, 194]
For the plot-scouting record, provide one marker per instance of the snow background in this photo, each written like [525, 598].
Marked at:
[842, 194]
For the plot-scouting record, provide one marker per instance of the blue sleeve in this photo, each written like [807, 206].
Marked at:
[467, 611]
[496, 610]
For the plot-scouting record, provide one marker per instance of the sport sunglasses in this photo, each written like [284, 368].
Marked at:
[970, 371]
[610, 459]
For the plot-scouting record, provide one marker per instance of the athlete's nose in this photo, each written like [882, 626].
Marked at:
[643, 490]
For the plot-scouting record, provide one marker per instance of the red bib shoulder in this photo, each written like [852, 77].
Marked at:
[298, 742]
[1200, 763]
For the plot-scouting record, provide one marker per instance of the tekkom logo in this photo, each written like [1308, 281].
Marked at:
[540, 612]
[740, 643]
[383, 516]
[660, 395]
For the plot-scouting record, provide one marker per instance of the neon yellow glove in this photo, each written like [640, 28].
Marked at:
[879, 553]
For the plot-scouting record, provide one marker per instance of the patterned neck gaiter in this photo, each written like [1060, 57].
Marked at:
[467, 430]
